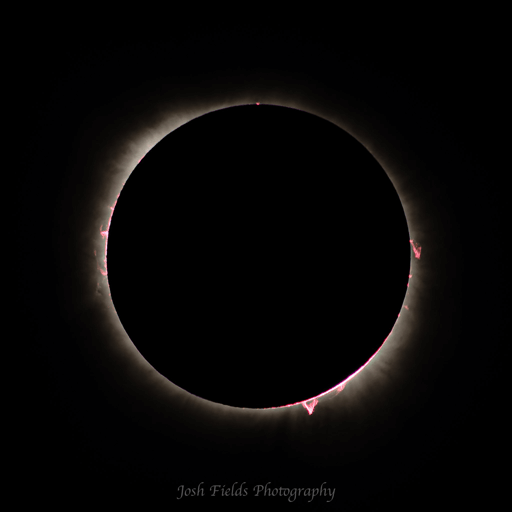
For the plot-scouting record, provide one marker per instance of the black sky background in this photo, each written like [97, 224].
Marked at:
[441, 89]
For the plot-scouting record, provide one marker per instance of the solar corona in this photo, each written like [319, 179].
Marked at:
[223, 197]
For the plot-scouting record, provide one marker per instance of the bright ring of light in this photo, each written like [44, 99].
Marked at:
[112, 166]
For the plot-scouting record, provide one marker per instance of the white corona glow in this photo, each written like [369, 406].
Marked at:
[135, 152]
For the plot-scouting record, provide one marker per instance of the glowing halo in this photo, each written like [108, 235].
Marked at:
[108, 169]
[127, 259]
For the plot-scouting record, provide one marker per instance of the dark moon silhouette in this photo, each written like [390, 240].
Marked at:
[258, 256]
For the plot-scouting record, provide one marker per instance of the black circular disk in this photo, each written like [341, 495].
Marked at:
[258, 256]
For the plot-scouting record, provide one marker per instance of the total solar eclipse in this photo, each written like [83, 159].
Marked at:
[258, 256]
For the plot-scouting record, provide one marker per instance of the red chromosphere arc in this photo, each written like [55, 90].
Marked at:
[311, 403]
